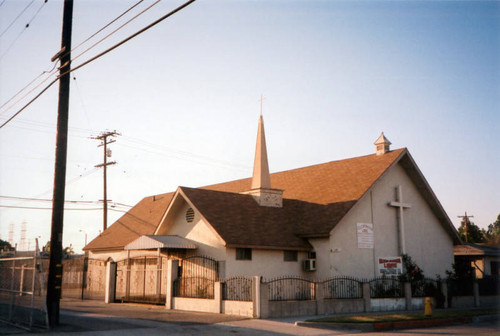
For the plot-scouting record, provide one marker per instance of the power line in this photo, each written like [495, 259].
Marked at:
[117, 29]
[17, 17]
[107, 25]
[53, 68]
[99, 56]
[40, 208]
[49, 72]
[25, 27]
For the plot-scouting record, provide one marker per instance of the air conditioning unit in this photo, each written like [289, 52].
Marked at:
[309, 265]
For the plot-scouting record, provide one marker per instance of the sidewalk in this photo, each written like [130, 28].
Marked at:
[97, 318]
[91, 318]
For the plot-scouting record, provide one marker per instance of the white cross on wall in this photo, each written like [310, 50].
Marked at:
[400, 206]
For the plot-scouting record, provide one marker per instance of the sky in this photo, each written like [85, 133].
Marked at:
[185, 97]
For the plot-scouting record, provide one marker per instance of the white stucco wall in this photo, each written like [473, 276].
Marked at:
[266, 263]
[208, 241]
[426, 241]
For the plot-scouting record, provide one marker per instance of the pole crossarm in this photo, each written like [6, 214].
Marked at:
[103, 137]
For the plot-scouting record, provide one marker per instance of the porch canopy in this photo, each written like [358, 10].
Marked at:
[159, 242]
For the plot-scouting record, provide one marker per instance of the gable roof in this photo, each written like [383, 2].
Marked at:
[242, 222]
[468, 249]
[141, 220]
[331, 182]
[321, 194]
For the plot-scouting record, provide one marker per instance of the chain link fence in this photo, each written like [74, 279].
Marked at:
[22, 292]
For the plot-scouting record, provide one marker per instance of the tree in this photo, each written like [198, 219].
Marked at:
[5, 245]
[492, 235]
[67, 251]
[411, 271]
[470, 232]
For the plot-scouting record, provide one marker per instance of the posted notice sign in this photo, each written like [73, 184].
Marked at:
[390, 266]
[365, 235]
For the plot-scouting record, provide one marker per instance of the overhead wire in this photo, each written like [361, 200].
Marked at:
[40, 208]
[22, 31]
[50, 72]
[17, 17]
[99, 56]
[58, 60]
[117, 29]
[107, 25]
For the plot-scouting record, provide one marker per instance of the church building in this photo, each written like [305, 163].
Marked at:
[353, 217]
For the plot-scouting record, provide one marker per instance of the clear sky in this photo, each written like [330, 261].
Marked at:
[185, 97]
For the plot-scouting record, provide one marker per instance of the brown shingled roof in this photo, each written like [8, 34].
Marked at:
[337, 184]
[241, 221]
[331, 182]
[141, 220]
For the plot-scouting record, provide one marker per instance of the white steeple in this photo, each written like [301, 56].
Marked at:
[261, 180]
[382, 145]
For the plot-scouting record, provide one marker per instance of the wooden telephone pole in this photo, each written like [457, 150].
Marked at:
[466, 220]
[54, 281]
[107, 153]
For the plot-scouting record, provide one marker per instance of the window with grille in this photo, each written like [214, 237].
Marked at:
[243, 254]
[290, 255]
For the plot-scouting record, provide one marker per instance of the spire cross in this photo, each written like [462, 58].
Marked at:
[400, 206]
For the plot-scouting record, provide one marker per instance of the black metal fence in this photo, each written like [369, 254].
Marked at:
[460, 287]
[291, 288]
[194, 287]
[386, 288]
[425, 287]
[343, 288]
[197, 276]
[237, 289]
[489, 285]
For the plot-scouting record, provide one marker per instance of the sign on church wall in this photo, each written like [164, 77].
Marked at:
[390, 266]
[365, 235]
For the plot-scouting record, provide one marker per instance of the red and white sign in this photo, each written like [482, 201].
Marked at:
[390, 266]
[365, 235]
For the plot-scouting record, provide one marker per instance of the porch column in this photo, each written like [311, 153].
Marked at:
[172, 273]
[366, 297]
[218, 296]
[109, 296]
[444, 290]
[263, 299]
[475, 291]
[320, 298]
[158, 275]
[408, 295]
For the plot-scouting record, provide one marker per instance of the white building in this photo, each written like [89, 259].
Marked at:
[353, 217]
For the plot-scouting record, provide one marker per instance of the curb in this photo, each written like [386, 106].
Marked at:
[396, 325]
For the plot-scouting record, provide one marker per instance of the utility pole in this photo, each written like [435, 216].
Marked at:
[467, 223]
[54, 282]
[107, 153]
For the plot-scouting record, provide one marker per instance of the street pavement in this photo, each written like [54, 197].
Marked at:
[90, 318]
